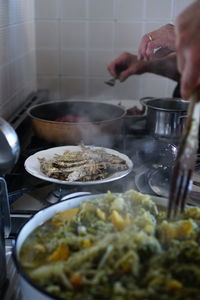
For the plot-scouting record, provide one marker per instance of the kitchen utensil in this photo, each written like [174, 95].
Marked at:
[111, 82]
[153, 153]
[74, 195]
[181, 181]
[3, 273]
[32, 165]
[10, 149]
[165, 117]
[152, 157]
[105, 122]
[9, 153]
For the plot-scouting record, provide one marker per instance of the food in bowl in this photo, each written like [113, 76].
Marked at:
[117, 246]
[86, 164]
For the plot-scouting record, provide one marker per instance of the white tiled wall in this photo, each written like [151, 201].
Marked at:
[76, 40]
[17, 54]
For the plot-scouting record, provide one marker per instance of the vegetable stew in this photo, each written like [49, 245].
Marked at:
[116, 247]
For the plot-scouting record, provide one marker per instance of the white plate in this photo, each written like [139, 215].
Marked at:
[32, 165]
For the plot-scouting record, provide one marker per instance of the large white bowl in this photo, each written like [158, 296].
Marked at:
[30, 291]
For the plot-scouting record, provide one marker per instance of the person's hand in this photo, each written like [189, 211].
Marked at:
[187, 32]
[163, 37]
[126, 65]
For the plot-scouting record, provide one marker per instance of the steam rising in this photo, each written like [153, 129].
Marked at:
[103, 122]
[105, 128]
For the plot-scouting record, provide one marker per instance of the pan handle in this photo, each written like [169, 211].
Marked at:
[5, 207]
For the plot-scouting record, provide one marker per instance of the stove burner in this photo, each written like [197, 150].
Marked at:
[159, 182]
[141, 182]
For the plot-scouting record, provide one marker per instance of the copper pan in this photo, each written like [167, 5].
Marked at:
[103, 121]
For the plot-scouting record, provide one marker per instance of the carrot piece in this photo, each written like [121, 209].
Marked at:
[76, 279]
[61, 252]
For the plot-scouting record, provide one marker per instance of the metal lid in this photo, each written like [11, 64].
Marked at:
[166, 104]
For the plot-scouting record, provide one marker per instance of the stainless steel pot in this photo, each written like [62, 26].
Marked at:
[165, 117]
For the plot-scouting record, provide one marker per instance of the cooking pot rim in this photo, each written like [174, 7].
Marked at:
[121, 116]
[148, 103]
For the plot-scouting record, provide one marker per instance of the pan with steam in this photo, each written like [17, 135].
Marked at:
[73, 122]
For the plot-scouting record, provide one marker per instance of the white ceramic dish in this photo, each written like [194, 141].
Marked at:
[32, 165]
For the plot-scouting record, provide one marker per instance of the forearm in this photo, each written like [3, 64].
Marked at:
[166, 67]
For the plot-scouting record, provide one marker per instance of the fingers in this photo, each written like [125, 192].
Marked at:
[143, 46]
[188, 58]
[147, 47]
[112, 69]
[162, 37]
[125, 65]
[124, 75]
[190, 79]
[119, 64]
[151, 48]
[188, 48]
[137, 67]
[132, 69]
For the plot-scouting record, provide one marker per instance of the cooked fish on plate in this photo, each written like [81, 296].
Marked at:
[79, 164]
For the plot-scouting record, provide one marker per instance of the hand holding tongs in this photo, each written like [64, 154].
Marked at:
[181, 181]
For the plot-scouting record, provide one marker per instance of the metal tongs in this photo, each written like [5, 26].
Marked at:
[181, 181]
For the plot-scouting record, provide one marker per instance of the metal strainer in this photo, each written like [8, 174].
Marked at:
[154, 161]
[155, 153]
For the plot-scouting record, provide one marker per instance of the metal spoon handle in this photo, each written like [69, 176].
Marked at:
[111, 82]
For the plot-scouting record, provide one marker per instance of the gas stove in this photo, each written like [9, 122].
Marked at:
[28, 194]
